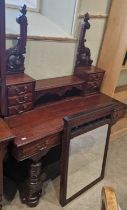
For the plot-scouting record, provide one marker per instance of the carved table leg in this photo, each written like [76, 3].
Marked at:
[32, 188]
[30, 191]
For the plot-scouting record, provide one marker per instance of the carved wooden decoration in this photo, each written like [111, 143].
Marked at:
[83, 53]
[15, 56]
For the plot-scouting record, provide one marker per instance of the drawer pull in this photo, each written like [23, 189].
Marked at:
[24, 106]
[20, 102]
[25, 87]
[40, 148]
[19, 92]
[25, 97]
[19, 112]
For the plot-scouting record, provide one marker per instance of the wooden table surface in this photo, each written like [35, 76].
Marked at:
[47, 120]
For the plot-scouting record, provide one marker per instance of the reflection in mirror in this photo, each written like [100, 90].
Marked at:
[85, 159]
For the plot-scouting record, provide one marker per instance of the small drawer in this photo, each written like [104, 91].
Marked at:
[39, 146]
[97, 76]
[18, 100]
[16, 90]
[93, 85]
[118, 114]
[34, 148]
[19, 109]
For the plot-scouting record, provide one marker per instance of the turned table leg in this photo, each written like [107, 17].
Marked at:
[30, 191]
[34, 184]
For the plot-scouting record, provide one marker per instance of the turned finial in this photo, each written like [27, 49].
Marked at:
[22, 17]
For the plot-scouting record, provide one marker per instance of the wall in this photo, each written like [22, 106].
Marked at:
[38, 24]
[45, 59]
[95, 7]
[61, 12]
[49, 59]
[94, 36]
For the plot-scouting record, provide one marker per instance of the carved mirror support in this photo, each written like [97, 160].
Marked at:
[15, 56]
[83, 53]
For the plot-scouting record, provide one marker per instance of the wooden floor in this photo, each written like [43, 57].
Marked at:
[119, 129]
[121, 93]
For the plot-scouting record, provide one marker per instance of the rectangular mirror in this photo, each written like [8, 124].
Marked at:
[83, 158]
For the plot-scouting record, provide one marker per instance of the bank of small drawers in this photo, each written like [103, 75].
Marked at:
[94, 82]
[20, 98]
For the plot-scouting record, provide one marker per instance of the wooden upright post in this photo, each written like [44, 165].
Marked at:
[114, 46]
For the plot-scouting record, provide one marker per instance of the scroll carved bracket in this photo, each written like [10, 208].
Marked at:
[15, 55]
[83, 53]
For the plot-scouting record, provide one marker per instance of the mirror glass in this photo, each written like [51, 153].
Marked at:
[86, 154]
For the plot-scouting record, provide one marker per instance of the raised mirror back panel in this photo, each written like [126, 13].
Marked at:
[85, 162]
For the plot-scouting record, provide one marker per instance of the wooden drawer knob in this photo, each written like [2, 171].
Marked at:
[19, 92]
[20, 102]
[41, 148]
[24, 107]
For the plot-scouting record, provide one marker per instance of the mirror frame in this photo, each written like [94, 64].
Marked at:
[71, 122]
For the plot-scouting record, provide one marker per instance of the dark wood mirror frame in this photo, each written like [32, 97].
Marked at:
[81, 125]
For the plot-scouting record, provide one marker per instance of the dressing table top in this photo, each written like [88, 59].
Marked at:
[47, 120]
[57, 82]
[5, 132]
[18, 79]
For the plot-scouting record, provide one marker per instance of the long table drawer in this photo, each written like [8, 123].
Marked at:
[36, 148]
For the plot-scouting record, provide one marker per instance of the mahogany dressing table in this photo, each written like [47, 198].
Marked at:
[34, 110]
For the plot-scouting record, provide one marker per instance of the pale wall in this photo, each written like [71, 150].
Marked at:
[49, 59]
[45, 59]
[61, 12]
[95, 6]
[38, 24]
[94, 36]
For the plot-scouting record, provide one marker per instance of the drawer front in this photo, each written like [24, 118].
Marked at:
[39, 146]
[97, 76]
[118, 114]
[93, 86]
[18, 100]
[19, 109]
[16, 90]
[34, 148]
